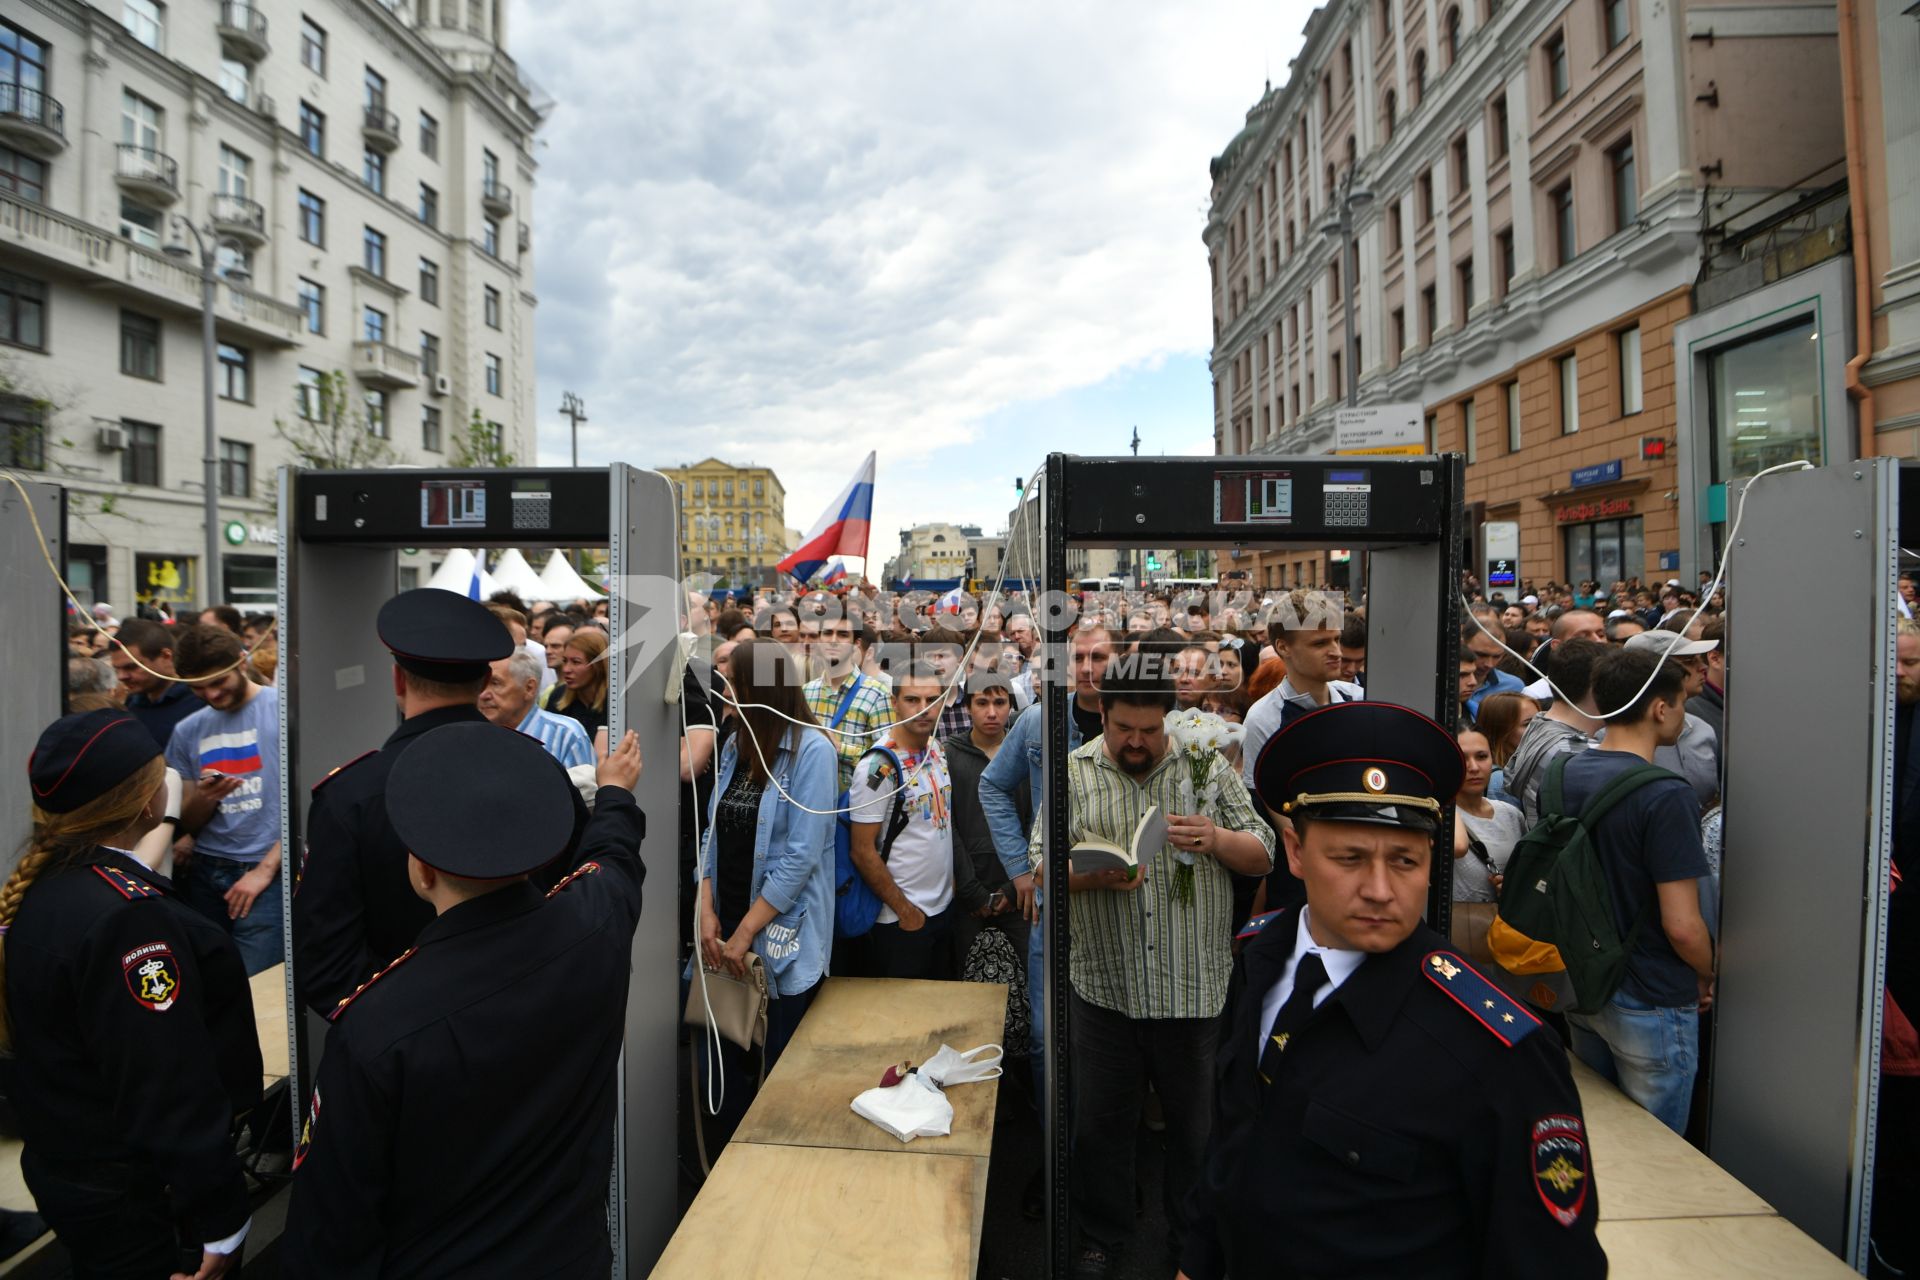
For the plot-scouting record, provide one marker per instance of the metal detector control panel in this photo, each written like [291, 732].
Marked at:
[1137, 501]
[560, 506]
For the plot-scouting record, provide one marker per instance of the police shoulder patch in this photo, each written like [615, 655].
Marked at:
[342, 768]
[128, 886]
[1491, 1007]
[1562, 1173]
[584, 869]
[152, 975]
[1257, 923]
[360, 990]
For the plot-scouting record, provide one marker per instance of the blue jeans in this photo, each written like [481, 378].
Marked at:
[1651, 1053]
[260, 936]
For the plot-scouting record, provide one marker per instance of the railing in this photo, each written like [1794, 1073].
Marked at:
[34, 107]
[236, 15]
[495, 192]
[144, 164]
[21, 220]
[238, 212]
[378, 358]
[380, 120]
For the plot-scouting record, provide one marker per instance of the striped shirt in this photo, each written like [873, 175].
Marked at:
[870, 711]
[1139, 952]
[563, 738]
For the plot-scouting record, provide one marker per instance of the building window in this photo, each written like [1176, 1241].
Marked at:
[1567, 370]
[373, 90]
[429, 205]
[142, 123]
[429, 136]
[21, 177]
[430, 282]
[309, 393]
[1419, 77]
[1468, 432]
[1503, 240]
[490, 237]
[373, 171]
[23, 312]
[1605, 551]
[1462, 175]
[139, 346]
[313, 219]
[1386, 17]
[430, 428]
[1346, 64]
[1336, 383]
[1565, 245]
[1764, 401]
[143, 21]
[1558, 80]
[376, 403]
[1618, 24]
[1627, 348]
[1391, 113]
[490, 306]
[1511, 399]
[374, 255]
[429, 356]
[1423, 204]
[313, 130]
[23, 434]
[236, 469]
[1399, 331]
[236, 373]
[1498, 127]
[1326, 94]
[489, 170]
[140, 460]
[1395, 231]
[139, 224]
[373, 324]
[236, 173]
[313, 46]
[1450, 39]
[1429, 314]
[1333, 281]
[313, 305]
[1463, 279]
[1626, 185]
[493, 374]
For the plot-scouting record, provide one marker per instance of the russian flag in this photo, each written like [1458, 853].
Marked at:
[841, 529]
[231, 752]
[836, 572]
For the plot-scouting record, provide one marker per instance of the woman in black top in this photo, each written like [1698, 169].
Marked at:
[583, 680]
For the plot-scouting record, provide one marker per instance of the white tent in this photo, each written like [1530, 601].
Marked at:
[512, 572]
[455, 573]
[559, 583]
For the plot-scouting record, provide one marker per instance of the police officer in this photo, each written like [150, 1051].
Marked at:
[1381, 1108]
[464, 1116]
[353, 910]
[129, 1019]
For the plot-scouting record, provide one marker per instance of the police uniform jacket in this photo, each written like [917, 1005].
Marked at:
[133, 1033]
[1400, 1134]
[354, 909]
[463, 1119]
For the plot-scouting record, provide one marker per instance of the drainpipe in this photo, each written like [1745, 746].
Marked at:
[1857, 390]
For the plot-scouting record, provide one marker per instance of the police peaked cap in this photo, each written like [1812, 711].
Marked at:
[438, 635]
[80, 758]
[1362, 762]
[481, 801]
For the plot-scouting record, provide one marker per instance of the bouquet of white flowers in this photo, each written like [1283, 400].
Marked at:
[1197, 736]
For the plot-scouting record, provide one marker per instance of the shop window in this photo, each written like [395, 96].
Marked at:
[1764, 401]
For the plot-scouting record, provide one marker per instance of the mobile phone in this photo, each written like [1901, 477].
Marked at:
[997, 900]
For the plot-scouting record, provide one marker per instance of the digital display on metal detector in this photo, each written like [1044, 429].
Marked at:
[1253, 497]
[453, 504]
[1502, 573]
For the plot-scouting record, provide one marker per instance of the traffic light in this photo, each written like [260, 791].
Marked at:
[1652, 448]
[1153, 564]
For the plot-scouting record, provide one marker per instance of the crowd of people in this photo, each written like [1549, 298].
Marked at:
[914, 739]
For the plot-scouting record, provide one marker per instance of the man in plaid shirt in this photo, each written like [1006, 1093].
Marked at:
[854, 708]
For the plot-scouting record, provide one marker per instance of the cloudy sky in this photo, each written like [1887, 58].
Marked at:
[961, 235]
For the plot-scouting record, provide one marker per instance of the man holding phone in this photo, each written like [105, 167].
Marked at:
[228, 757]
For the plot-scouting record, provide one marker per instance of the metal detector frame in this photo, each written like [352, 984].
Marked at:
[333, 669]
[1140, 502]
[36, 695]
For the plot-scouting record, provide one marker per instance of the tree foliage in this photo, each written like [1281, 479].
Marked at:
[482, 444]
[329, 431]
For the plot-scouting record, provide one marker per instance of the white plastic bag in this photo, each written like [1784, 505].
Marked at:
[949, 1066]
[914, 1108]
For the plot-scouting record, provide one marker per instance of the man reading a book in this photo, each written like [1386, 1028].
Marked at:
[1151, 954]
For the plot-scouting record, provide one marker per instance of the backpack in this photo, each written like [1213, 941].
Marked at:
[1556, 891]
[855, 905]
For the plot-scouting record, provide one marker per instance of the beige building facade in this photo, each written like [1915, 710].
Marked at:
[733, 521]
[363, 172]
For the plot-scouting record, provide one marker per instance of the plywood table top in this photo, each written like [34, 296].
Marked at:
[856, 1028]
[1645, 1170]
[1749, 1248]
[270, 1020]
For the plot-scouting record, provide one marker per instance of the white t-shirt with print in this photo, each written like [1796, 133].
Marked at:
[921, 860]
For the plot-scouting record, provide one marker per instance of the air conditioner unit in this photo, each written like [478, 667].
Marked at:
[110, 438]
[442, 384]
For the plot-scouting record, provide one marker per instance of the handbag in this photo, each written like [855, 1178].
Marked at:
[738, 1005]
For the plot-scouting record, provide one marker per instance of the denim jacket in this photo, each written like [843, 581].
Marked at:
[1001, 780]
[792, 855]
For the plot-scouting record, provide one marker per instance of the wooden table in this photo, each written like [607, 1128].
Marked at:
[796, 1192]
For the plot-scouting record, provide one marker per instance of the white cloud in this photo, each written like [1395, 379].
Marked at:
[792, 233]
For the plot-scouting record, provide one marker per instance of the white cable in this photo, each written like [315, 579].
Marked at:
[1739, 513]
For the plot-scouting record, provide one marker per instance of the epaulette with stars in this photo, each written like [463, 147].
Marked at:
[584, 869]
[342, 768]
[360, 990]
[1491, 1007]
[130, 887]
[1257, 923]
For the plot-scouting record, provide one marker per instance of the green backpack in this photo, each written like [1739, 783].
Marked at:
[1556, 892]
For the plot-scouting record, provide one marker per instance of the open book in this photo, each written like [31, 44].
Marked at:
[1090, 853]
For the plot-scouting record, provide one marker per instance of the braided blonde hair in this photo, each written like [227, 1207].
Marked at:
[58, 839]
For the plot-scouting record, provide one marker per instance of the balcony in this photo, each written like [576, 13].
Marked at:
[389, 368]
[381, 128]
[238, 218]
[243, 32]
[32, 121]
[149, 176]
[154, 280]
[496, 198]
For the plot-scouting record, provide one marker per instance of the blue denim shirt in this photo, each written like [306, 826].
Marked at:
[792, 855]
[1022, 749]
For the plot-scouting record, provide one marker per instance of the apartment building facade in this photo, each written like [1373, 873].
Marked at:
[733, 521]
[1533, 193]
[361, 176]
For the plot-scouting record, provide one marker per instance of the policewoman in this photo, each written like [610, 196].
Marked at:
[1381, 1108]
[353, 910]
[128, 1021]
